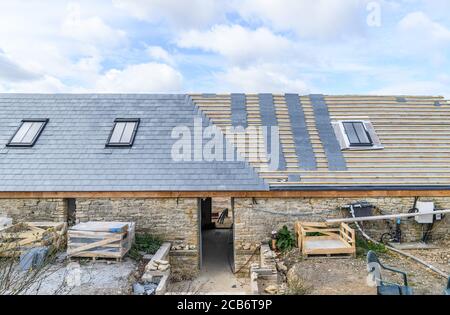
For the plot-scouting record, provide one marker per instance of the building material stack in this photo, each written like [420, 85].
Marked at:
[19, 238]
[100, 240]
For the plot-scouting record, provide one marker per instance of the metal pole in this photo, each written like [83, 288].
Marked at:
[385, 217]
[420, 261]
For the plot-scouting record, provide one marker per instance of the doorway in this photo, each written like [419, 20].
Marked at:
[216, 237]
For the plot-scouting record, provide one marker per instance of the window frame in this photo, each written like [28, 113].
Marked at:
[351, 144]
[136, 121]
[44, 122]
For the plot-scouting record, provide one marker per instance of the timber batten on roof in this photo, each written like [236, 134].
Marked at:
[414, 131]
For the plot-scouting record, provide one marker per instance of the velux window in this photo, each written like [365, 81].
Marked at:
[123, 133]
[28, 133]
[357, 134]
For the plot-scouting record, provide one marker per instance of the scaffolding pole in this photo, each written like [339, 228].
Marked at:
[386, 217]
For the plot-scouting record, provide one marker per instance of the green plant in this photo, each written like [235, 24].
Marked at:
[363, 246]
[285, 239]
[146, 243]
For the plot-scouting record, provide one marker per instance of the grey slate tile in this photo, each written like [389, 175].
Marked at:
[70, 155]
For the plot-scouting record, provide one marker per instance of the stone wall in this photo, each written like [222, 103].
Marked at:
[256, 218]
[219, 204]
[53, 210]
[173, 220]
[176, 220]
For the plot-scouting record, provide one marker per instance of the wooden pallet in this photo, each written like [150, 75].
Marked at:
[100, 240]
[321, 239]
[18, 238]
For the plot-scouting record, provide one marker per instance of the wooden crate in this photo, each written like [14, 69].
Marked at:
[100, 240]
[316, 238]
[18, 238]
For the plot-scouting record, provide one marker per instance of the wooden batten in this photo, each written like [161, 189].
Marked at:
[237, 194]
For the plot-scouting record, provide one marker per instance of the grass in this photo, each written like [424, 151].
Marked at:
[363, 246]
[297, 286]
[145, 243]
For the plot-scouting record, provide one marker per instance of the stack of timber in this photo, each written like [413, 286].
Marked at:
[100, 240]
[19, 238]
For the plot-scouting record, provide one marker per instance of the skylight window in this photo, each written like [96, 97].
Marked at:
[28, 133]
[357, 134]
[123, 133]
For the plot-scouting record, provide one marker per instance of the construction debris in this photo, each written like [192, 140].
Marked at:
[157, 271]
[18, 239]
[5, 222]
[100, 239]
[264, 273]
[155, 264]
[271, 289]
[144, 289]
[33, 258]
[183, 247]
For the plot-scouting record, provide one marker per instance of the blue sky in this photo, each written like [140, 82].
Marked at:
[302, 46]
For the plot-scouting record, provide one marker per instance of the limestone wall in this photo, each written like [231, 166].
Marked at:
[53, 210]
[256, 218]
[173, 220]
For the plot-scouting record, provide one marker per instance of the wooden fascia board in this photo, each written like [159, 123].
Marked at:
[236, 194]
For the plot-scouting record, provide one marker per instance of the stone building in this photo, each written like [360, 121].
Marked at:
[172, 163]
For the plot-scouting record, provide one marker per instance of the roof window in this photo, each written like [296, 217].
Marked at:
[28, 133]
[123, 133]
[356, 135]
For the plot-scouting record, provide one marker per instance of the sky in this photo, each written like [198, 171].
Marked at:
[222, 46]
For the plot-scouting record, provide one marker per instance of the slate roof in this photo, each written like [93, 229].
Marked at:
[70, 154]
[414, 131]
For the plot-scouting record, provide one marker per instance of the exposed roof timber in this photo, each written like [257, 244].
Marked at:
[330, 193]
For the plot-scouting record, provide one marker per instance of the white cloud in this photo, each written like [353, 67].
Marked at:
[315, 19]
[419, 26]
[419, 87]
[46, 84]
[237, 43]
[90, 30]
[160, 54]
[272, 78]
[141, 78]
[11, 71]
[185, 14]
[421, 38]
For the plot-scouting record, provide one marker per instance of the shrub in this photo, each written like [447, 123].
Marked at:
[285, 239]
[146, 243]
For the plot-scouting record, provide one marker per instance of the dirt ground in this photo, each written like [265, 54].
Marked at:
[320, 276]
[216, 276]
[348, 276]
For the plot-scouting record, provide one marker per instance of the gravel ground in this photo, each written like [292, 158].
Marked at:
[424, 281]
[348, 276]
[86, 278]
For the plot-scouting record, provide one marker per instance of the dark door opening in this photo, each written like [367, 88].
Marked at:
[216, 241]
[71, 211]
[206, 206]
